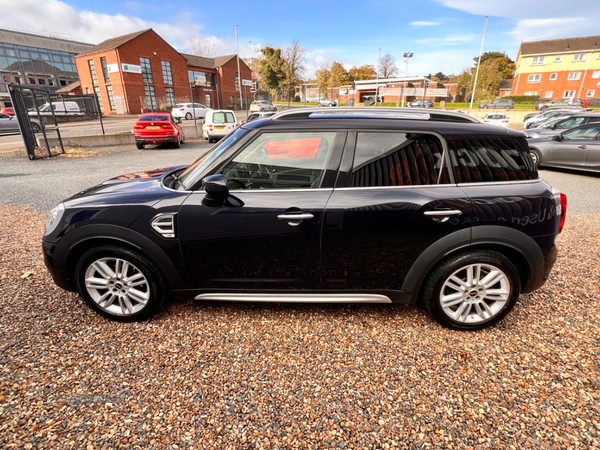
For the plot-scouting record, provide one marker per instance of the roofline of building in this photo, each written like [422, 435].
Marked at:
[28, 33]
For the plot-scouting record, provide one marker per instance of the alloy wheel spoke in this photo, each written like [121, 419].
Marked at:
[103, 269]
[96, 283]
[499, 295]
[491, 279]
[480, 312]
[110, 300]
[138, 296]
[462, 285]
[134, 278]
[487, 309]
[128, 304]
[452, 299]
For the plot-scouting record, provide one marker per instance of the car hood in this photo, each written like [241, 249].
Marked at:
[143, 188]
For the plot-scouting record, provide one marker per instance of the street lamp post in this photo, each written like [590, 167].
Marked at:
[478, 64]
[407, 57]
[377, 85]
[237, 54]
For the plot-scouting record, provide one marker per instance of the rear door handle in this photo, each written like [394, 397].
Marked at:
[303, 216]
[442, 212]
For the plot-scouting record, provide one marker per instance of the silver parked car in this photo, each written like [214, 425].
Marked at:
[262, 105]
[562, 123]
[577, 148]
[9, 124]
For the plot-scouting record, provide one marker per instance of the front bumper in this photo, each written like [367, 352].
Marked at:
[59, 276]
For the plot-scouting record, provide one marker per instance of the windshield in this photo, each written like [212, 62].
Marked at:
[153, 118]
[191, 174]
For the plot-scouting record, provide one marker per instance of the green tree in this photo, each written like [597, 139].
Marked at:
[272, 72]
[338, 75]
[366, 72]
[505, 64]
[490, 76]
[441, 77]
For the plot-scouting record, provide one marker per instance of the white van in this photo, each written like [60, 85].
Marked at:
[60, 109]
[218, 123]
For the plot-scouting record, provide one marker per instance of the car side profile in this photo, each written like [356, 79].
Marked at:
[422, 104]
[188, 111]
[363, 205]
[157, 128]
[576, 148]
[562, 123]
[500, 103]
[262, 105]
[578, 102]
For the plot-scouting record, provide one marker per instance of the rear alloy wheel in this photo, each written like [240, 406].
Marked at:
[188, 116]
[177, 143]
[35, 127]
[120, 283]
[473, 290]
[536, 157]
[139, 146]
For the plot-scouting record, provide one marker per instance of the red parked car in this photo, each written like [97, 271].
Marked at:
[157, 128]
[8, 111]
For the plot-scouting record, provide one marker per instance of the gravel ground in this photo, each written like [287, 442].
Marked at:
[241, 376]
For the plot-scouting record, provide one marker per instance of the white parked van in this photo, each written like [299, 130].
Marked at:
[60, 109]
[218, 123]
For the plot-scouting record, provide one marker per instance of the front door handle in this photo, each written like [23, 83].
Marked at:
[303, 216]
[583, 147]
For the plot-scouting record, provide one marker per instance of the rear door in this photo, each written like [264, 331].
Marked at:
[392, 200]
[230, 122]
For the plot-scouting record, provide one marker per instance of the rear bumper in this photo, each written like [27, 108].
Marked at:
[541, 274]
[154, 139]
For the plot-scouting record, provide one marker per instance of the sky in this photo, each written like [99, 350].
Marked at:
[443, 35]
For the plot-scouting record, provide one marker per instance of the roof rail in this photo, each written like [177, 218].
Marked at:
[375, 113]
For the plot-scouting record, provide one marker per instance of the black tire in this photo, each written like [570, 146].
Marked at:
[536, 156]
[507, 108]
[434, 287]
[182, 138]
[154, 287]
[275, 109]
[188, 116]
[262, 109]
[177, 143]
[35, 127]
[139, 146]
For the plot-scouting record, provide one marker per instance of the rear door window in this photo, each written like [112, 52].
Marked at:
[219, 117]
[479, 160]
[397, 159]
[229, 117]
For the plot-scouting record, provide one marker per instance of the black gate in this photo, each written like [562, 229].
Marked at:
[25, 103]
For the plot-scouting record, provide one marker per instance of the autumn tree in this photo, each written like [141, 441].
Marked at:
[323, 76]
[366, 72]
[203, 46]
[505, 64]
[387, 66]
[488, 82]
[338, 75]
[294, 65]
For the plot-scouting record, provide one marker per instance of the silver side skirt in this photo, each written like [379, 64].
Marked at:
[297, 298]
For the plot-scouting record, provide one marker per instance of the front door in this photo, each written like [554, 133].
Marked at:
[389, 205]
[268, 233]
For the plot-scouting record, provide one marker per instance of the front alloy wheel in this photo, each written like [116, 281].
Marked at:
[473, 290]
[120, 283]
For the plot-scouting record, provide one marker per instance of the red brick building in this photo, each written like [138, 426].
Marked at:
[139, 72]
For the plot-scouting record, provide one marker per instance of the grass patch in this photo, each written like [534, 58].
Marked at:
[297, 103]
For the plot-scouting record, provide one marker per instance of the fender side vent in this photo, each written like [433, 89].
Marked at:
[164, 224]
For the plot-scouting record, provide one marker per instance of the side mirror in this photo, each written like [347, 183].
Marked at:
[557, 137]
[216, 190]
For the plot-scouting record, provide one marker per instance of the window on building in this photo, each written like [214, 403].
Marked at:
[534, 78]
[596, 74]
[105, 70]
[146, 70]
[170, 95]
[548, 94]
[538, 60]
[200, 78]
[97, 92]
[579, 57]
[590, 93]
[93, 72]
[166, 70]
[558, 58]
[530, 93]
[568, 94]
[150, 97]
[574, 76]
[31, 80]
[111, 98]
[553, 76]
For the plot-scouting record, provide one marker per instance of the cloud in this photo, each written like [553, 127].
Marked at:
[448, 40]
[423, 24]
[536, 20]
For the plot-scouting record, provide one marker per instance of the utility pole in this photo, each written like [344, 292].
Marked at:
[377, 85]
[237, 54]
[478, 64]
[407, 57]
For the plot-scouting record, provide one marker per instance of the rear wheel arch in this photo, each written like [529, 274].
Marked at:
[514, 244]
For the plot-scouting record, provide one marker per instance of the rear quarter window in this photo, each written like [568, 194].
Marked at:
[483, 159]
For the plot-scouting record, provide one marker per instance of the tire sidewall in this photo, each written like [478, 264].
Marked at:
[439, 275]
[538, 161]
[152, 274]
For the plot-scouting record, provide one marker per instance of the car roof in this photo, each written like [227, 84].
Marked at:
[381, 122]
[155, 114]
